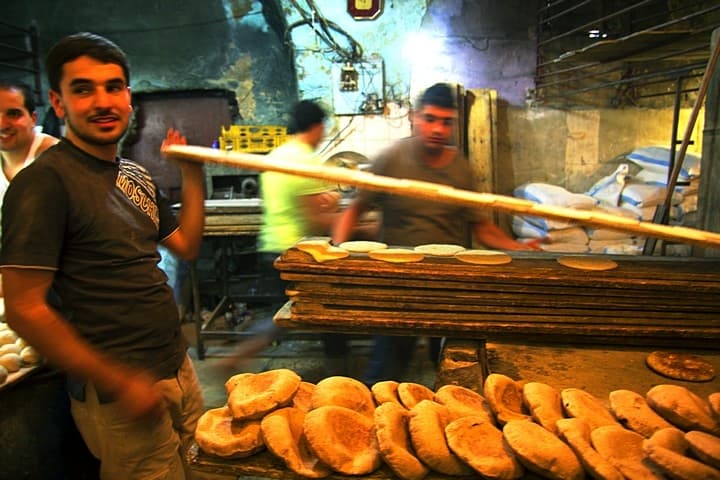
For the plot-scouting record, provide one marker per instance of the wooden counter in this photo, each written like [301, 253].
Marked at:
[645, 300]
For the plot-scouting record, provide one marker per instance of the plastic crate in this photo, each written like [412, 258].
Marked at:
[252, 138]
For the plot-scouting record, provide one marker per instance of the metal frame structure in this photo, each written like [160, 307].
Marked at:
[19, 52]
[624, 54]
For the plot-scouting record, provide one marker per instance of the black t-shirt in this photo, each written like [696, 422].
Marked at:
[97, 224]
[409, 221]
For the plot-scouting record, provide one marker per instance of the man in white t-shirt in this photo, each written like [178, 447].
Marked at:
[19, 142]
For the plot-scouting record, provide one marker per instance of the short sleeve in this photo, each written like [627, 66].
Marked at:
[34, 214]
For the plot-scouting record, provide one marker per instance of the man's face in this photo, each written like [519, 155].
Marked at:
[434, 125]
[94, 101]
[16, 123]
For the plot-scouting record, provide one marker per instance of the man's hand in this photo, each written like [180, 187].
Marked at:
[139, 395]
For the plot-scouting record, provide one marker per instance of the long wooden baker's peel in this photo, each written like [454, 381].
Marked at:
[443, 193]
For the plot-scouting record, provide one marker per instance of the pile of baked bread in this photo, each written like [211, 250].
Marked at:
[339, 425]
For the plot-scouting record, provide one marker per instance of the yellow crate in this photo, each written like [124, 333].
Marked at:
[252, 138]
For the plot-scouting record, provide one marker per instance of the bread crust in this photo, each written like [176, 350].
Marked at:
[393, 437]
[217, 433]
[255, 394]
[343, 439]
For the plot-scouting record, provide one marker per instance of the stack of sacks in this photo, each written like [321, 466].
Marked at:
[619, 194]
[615, 242]
[655, 165]
[561, 236]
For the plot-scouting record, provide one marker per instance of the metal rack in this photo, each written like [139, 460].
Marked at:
[604, 53]
[19, 53]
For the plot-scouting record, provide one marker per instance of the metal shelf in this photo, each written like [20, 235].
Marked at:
[19, 53]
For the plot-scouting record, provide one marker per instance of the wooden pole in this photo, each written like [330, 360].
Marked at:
[443, 193]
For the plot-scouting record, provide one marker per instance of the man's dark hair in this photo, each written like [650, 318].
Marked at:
[78, 45]
[28, 97]
[438, 95]
[304, 115]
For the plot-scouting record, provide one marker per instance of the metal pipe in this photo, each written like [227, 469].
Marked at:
[628, 80]
[661, 213]
[560, 14]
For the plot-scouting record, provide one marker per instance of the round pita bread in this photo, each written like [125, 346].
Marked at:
[483, 257]
[362, 246]
[541, 451]
[252, 395]
[427, 434]
[681, 366]
[391, 429]
[480, 444]
[217, 433]
[633, 412]
[671, 438]
[410, 394]
[706, 447]
[544, 404]
[714, 402]
[439, 249]
[463, 402]
[344, 392]
[321, 250]
[581, 404]
[385, 391]
[505, 398]
[681, 407]
[676, 465]
[282, 432]
[396, 255]
[343, 439]
[303, 396]
[622, 449]
[582, 262]
[576, 433]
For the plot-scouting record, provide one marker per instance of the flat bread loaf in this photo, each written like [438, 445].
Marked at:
[343, 439]
[361, 246]
[544, 404]
[385, 391]
[483, 257]
[321, 250]
[624, 450]
[463, 402]
[705, 447]
[542, 452]
[217, 433]
[255, 394]
[682, 408]
[396, 255]
[633, 412]
[505, 398]
[410, 394]
[583, 262]
[679, 466]
[393, 437]
[576, 433]
[344, 392]
[480, 444]
[282, 432]
[303, 396]
[439, 249]
[681, 366]
[581, 404]
[714, 402]
[427, 434]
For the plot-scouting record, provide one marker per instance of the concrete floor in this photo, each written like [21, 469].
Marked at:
[596, 369]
